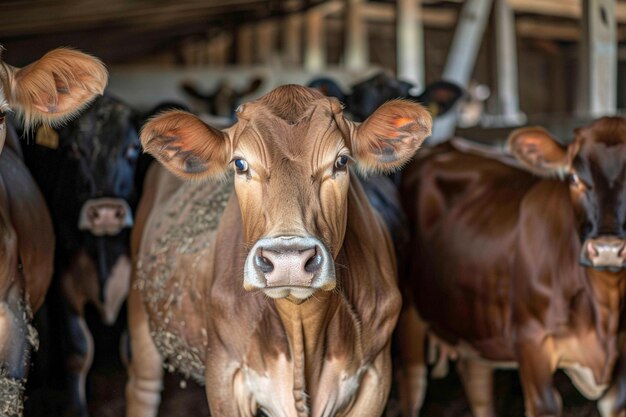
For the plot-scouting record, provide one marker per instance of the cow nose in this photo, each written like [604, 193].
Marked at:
[105, 216]
[606, 252]
[289, 265]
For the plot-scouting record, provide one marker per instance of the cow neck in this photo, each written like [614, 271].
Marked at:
[607, 292]
[304, 324]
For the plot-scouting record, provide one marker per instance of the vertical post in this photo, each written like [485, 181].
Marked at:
[292, 27]
[598, 75]
[265, 40]
[506, 58]
[245, 55]
[315, 54]
[356, 54]
[410, 42]
[462, 58]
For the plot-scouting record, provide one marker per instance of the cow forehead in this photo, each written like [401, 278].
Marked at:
[310, 132]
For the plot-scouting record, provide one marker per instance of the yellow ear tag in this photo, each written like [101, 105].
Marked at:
[47, 136]
[433, 108]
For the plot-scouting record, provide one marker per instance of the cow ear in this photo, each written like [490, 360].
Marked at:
[440, 97]
[56, 87]
[390, 136]
[539, 151]
[186, 146]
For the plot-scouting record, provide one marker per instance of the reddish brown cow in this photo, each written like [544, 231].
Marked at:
[520, 262]
[275, 286]
[49, 90]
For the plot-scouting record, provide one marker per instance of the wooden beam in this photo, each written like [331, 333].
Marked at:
[315, 50]
[292, 40]
[245, 40]
[598, 69]
[356, 50]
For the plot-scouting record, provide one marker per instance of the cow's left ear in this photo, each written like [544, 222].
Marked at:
[55, 87]
[388, 139]
[539, 151]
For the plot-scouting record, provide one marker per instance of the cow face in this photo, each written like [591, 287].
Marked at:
[102, 147]
[594, 165]
[290, 152]
[50, 90]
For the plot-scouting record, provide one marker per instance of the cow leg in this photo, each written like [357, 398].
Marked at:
[477, 380]
[536, 372]
[79, 359]
[411, 337]
[145, 367]
[14, 354]
[374, 388]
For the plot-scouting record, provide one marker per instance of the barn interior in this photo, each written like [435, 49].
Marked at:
[554, 63]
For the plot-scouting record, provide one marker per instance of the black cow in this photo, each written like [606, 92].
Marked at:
[224, 99]
[90, 190]
[439, 97]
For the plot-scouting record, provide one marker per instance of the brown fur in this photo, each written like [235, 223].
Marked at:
[328, 352]
[495, 270]
[54, 88]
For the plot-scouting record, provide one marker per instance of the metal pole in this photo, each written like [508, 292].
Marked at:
[410, 38]
[356, 53]
[462, 58]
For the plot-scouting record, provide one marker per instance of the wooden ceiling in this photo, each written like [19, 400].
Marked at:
[122, 30]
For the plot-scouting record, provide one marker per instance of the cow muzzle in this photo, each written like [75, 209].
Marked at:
[604, 252]
[290, 267]
[105, 216]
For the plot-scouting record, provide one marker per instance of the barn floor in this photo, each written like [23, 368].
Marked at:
[444, 398]
[105, 390]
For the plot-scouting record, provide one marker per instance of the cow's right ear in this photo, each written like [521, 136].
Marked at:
[539, 151]
[56, 87]
[186, 146]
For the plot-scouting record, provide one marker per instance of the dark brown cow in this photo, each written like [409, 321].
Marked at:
[275, 286]
[520, 262]
[50, 91]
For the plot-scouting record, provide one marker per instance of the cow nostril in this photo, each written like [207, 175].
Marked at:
[314, 263]
[93, 213]
[119, 213]
[264, 264]
[591, 250]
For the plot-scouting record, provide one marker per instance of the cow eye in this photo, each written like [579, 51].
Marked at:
[241, 165]
[2, 115]
[341, 162]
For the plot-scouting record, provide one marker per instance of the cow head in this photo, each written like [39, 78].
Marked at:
[50, 90]
[594, 165]
[290, 152]
[101, 148]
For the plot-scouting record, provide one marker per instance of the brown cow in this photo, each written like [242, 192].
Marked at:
[520, 262]
[50, 91]
[281, 295]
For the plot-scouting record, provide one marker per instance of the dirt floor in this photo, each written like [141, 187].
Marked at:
[105, 388]
[445, 397]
